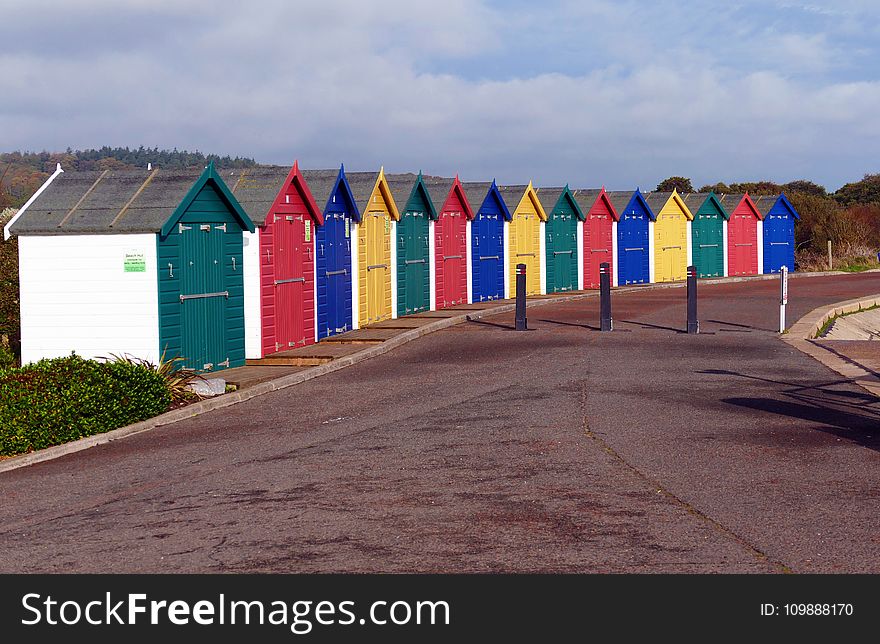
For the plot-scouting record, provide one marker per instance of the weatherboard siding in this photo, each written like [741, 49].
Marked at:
[76, 296]
[252, 322]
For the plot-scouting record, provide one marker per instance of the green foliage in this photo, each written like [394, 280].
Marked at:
[804, 186]
[63, 399]
[177, 379]
[7, 357]
[866, 191]
[757, 188]
[719, 188]
[682, 184]
[9, 320]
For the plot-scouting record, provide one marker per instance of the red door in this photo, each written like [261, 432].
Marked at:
[290, 280]
[742, 245]
[451, 258]
[597, 247]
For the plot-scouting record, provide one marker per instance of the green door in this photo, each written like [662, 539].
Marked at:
[708, 247]
[561, 250]
[203, 296]
[413, 286]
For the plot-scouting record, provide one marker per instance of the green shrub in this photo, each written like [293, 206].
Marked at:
[63, 399]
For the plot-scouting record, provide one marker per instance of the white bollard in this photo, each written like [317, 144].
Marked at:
[783, 297]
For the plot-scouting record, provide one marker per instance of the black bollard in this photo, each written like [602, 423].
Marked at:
[606, 323]
[521, 322]
[693, 322]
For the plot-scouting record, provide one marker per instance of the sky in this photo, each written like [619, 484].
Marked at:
[620, 93]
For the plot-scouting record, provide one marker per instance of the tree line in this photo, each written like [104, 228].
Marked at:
[848, 217]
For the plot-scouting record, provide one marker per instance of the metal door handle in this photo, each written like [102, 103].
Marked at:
[369, 268]
[294, 279]
[199, 296]
[489, 257]
[414, 261]
[344, 271]
[452, 257]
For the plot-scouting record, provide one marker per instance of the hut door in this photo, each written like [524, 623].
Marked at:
[413, 235]
[454, 255]
[376, 239]
[290, 248]
[600, 246]
[708, 254]
[489, 251]
[334, 248]
[203, 296]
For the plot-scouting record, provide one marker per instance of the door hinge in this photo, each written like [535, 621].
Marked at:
[181, 228]
[221, 227]
[225, 363]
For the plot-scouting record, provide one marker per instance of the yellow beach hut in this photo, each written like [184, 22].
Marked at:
[374, 255]
[671, 235]
[525, 236]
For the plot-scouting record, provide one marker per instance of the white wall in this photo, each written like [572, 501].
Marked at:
[689, 244]
[724, 246]
[760, 237]
[542, 256]
[580, 254]
[75, 296]
[253, 325]
[614, 262]
[651, 251]
[355, 277]
[393, 269]
[470, 272]
[432, 268]
[506, 259]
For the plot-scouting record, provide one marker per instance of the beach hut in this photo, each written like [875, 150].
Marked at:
[488, 246]
[671, 234]
[375, 253]
[451, 241]
[561, 234]
[525, 238]
[708, 233]
[139, 262]
[413, 242]
[599, 241]
[634, 239]
[742, 234]
[777, 233]
[279, 257]
[333, 250]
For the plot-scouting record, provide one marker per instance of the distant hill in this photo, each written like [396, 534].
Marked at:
[21, 173]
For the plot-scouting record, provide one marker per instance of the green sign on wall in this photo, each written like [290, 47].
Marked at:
[135, 262]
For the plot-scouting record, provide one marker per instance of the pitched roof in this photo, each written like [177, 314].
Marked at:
[549, 197]
[620, 199]
[439, 189]
[586, 197]
[362, 184]
[321, 184]
[695, 201]
[765, 203]
[401, 186]
[114, 201]
[476, 192]
[256, 188]
[731, 200]
[512, 195]
[656, 200]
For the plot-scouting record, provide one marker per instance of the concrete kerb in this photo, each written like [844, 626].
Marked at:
[233, 398]
[803, 333]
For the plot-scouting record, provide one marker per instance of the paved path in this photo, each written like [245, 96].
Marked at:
[482, 449]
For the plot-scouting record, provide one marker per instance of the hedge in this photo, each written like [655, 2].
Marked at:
[60, 400]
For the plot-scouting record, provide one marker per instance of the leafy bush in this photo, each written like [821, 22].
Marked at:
[63, 399]
[177, 379]
[9, 321]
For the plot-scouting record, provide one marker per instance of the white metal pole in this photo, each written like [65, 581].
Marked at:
[783, 297]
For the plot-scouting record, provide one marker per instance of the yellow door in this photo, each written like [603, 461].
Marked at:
[670, 247]
[524, 230]
[375, 269]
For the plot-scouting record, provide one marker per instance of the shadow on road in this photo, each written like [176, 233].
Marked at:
[653, 326]
[580, 326]
[509, 327]
[850, 415]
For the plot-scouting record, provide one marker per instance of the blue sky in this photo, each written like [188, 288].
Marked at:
[590, 93]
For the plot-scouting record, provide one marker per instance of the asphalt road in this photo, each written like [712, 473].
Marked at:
[482, 449]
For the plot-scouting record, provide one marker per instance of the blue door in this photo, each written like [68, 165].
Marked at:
[333, 247]
[487, 252]
[632, 249]
[778, 242]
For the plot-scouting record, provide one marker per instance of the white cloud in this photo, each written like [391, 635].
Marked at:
[343, 81]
